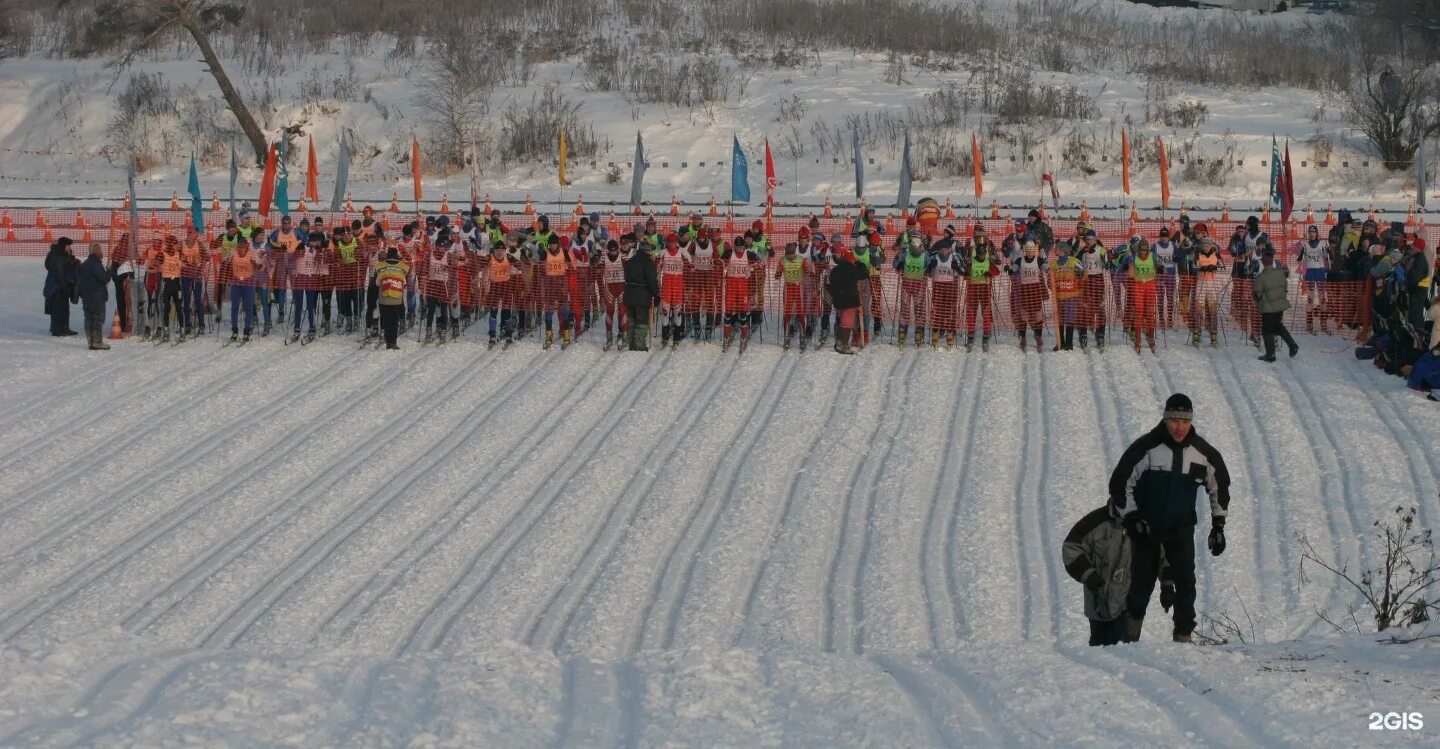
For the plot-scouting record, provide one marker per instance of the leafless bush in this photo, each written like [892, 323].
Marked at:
[531, 131]
[454, 95]
[1399, 589]
[1396, 110]
[1206, 166]
[792, 109]
[1014, 95]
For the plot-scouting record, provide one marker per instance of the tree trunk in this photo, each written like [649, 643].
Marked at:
[232, 97]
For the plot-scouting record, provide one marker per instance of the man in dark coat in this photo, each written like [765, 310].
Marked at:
[92, 284]
[642, 290]
[1269, 295]
[845, 296]
[60, 268]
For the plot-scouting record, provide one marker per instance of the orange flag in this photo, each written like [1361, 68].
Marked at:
[976, 166]
[312, 176]
[267, 182]
[1164, 177]
[415, 166]
[1125, 162]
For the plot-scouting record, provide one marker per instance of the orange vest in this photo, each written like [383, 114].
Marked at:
[499, 269]
[191, 253]
[242, 268]
[170, 265]
[555, 265]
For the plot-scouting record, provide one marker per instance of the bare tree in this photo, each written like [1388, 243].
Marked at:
[1400, 591]
[1395, 110]
[454, 94]
[149, 21]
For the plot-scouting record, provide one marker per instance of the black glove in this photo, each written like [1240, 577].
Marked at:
[1136, 526]
[1094, 582]
[1167, 595]
[1217, 537]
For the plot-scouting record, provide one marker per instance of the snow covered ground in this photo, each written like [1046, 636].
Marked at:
[457, 547]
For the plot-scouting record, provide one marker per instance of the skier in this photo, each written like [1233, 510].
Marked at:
[242, 289]
[1097, 553]
[348, 277]
[1066, 275]
[324, 279]
[193, 258]
[282, 245]
[411, 249]
[642, 291]
[844, 280]
[1152, 493]
[583, 251]
[1119, 268]
[702, 282]
[555, 267]
[944, 270]
[1244, 268]
[740, 264]
[1208, 286]
[437, 276]
[612, 290]
[502, 273]
[980, 267]
[1164, 250]
[391, 276]
[1269, 298]
[869, 255]
[674, 264]
[910, 263]
[1313, 263]
[221, 248]
[1028, 278]
[1142, 295]
[1092, 311]
[172, 271]
[307, 280]
[792, 270]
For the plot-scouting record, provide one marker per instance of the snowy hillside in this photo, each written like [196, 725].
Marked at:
[451, 546]
[65, 134]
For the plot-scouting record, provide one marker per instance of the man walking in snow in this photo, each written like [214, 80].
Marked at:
[1152, 493]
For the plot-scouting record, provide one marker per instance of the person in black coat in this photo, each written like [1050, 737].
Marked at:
[60, 293]
[92, 284]
[845, 295]
[642, 290]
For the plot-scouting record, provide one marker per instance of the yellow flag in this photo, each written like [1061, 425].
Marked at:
[564, 156]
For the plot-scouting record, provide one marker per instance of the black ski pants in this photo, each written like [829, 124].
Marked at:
[1179, 546]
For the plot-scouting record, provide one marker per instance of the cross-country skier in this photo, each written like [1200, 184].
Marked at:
[981, 267]
[845, 279]
[944, 269]
[910, 263]
[307, 280]
[1152, 492]
[674, 264]
[193, 258]
[437, 278]
[702, 284]
[242, 288]
[612, 291]
[740, 264]
[1092, 310]
[792, 270]
[1066, 275]
[1028, 278]
[1142, 295]
[1164, 250]
[1313, 263]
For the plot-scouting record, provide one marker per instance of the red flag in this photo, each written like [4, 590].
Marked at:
[415, 167]
[1164, 176]
[267, 182]
[1125, 162]
[977, 166]
[312, 176]
[769, 174]
[1287, 204]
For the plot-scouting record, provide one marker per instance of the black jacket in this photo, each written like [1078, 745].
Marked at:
[642, 281]
[60, 269]
[844, 284]
[93, 282]
[1159, 477]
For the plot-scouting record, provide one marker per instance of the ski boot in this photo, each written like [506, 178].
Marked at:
[549, 338]
[919, 338]
[494, 339]
[900, 336]
[744, 339]
[265, 331]
[429, 336]
[824, 336]
[1039, 343]
[1084, 340]
[1214, 341]
[1022, 341]
[785, 343]
[726, 340]
[234, 337]
[309, 336]
[565, 338]
[804, 342]
[949, 341]
[295, 337]
[165, 335]
[970, 343]
[934, 339]
[440, 336]
[985, 344]
[325, 327]
[1195, 338]
[609, 340]
[454, 330]
[244, 338]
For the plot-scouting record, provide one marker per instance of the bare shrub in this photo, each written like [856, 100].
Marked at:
[531, 131]
[1399, 589]
[1393, 109]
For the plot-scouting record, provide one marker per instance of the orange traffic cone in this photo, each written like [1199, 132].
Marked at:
[849, 226]
[674, 206]
[394, 202]
[1372, 211]
[174, 201]
[529, 209]
[444, 203]
[1225, 212]
[1309, 213]
[40, 219]
[1134, 214]
[1410, 220]
[115, 332]
[714, 212]
[949, 211]
[349, 205]
[1265, 215]
[994, 211]
[1084, 212]
[828, 213]
[87, 237]
[488, 209]
[215, 200]
[154, 219]
[80, 222]
[579, 205]
[1329, 214]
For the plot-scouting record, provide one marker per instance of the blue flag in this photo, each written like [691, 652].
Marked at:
[739, 174]
[282, 181]
[197, 209]
[342, 174]
[638, 176]
[859, 165]
[1277, 183]
[902, 199]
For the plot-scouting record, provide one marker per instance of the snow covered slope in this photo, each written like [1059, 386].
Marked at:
[459, 547]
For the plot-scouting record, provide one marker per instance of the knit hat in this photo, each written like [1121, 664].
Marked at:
[1178, 406]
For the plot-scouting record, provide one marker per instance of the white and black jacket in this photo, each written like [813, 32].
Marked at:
[1159, 478]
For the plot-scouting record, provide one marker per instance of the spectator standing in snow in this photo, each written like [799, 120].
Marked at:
[92, 284]
[60, 269]
[1152, 493]
[1097, 553]
[391, 275]
[1270, 299]
[642, 291]
[844, 281]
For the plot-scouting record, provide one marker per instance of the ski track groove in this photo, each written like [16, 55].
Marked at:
[241, 618]
[582, 723]
[675, 604]
[983, 696]
[1025, 494]
[136, 541]
[387, 579]
[952, 523]
[630, 693]
[658, 587]
[1216, 710]
[65, 473]
[937, 592]
[867, 536]
[443, 629]
[548, 629]
[1407, 446]
[834, 631]
[1282, 521]
[807, 469]
[1045, 510]
[921, 695]
[238, 543]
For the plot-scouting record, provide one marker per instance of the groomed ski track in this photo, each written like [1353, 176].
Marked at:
[459, 546]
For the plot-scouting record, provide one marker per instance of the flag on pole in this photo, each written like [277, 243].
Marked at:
[134, 214]
[267, 181]
[312, 175]
[564, 158]
[197, 209]
[1164, 177]
[1277, 179]
[1047, 176]
[1125, 162]
[902, 198]
[415, 167]
[739, 173]
[342, 174]
[1419, 178]
[859, 164]
[1287, 192]
[282, 179]
[234, 175]
[637, 177]
[770, 181]
[977, 167]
